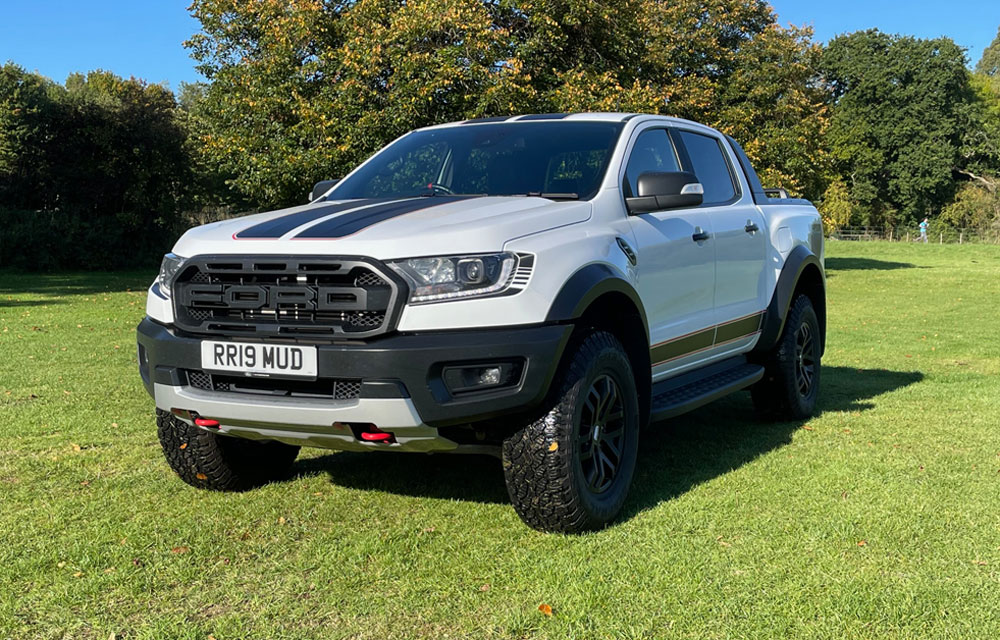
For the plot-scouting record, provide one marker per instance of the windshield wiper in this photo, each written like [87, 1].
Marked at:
[531, 194]
[549, 195]
[432, 194]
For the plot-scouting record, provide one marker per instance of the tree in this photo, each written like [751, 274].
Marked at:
[980, 148]
[89, 169]
[27, 111]
[989, 64]
[773, 106]
[976, 206]
[895, 128]
[121, 149]
[836, 207]
[977, 203]
[304, 90]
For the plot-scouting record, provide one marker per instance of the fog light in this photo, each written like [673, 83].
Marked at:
[489, 376]
[484, 377]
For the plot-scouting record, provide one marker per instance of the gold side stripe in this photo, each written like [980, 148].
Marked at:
[692, 343]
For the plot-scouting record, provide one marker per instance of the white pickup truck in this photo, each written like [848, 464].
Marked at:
[535, 287]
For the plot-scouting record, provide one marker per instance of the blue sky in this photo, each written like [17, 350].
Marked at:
[971, 23]
[143, 37]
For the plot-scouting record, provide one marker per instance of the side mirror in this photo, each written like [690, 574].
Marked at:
[660, 190]
[321, 187]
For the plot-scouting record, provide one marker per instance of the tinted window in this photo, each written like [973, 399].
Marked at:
[499, 159]
[710, 166]
[653, 151]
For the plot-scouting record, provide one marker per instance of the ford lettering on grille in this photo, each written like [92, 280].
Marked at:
[278, 297]
[282, 295]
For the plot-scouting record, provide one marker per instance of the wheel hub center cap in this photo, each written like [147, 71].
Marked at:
[597, 433]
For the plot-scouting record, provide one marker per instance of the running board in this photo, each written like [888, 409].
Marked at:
[689, 391]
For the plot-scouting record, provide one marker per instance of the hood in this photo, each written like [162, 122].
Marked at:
[386, 229]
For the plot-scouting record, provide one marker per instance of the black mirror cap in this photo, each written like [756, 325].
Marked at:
[660, 190]
[321, 187]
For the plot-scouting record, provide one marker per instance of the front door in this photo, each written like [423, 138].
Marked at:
[675, 266]
[740, 241]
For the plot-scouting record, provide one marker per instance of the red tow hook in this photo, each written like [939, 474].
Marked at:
[374, 434]
[205, 422]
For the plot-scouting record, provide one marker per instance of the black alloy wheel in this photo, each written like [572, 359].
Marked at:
[602, 434]
[805, 360]
[790, 387]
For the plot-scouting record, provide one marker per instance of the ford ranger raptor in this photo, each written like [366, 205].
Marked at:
[539, 287]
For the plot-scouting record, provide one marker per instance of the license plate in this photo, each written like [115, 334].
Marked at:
[259, 359]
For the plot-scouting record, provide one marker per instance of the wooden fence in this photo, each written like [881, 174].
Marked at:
[905, 234]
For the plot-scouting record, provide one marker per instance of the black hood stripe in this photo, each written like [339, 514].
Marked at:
[354, 221]
[277, 227]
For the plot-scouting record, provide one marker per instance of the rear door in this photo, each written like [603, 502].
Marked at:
[676, 272]
[739, 236]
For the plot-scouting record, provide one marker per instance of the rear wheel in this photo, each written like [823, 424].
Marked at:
[220, 463]
[792, 369]
[571, 470]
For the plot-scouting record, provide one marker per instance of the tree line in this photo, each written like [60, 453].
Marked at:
[104, 172]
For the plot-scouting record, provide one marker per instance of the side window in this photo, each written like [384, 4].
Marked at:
[652, 151]
[710, 165]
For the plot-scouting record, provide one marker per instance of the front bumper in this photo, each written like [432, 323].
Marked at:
[402, 385]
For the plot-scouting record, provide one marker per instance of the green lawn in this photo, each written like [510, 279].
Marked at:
[878, 518]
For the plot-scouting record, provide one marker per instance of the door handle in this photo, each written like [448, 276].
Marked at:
[751, 227]
[699, 235]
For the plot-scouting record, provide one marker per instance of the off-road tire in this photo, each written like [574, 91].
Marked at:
[778, 396]
[543, 465]
[220, 463]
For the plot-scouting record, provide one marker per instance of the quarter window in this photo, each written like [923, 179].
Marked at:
[652, 151]
[711, 167]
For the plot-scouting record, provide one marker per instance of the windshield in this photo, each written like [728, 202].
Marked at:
[559, 160]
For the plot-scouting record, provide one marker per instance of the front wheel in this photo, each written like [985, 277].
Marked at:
[217, 462]
[790, 385]
[571, 470]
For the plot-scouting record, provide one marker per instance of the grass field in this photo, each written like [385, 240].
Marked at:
[878, 518]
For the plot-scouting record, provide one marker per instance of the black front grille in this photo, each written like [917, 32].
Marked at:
[286, 296]
[331, 388]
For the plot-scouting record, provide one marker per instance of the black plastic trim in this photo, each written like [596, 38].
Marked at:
[689, 391]
[400, 365]
[587, 285]
[489, 119]
[781, 300]
[543, 116]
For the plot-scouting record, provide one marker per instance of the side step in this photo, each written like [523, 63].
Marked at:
[691, 390]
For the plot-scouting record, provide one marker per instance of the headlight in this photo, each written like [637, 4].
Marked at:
[168, 269]
[453, 277]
